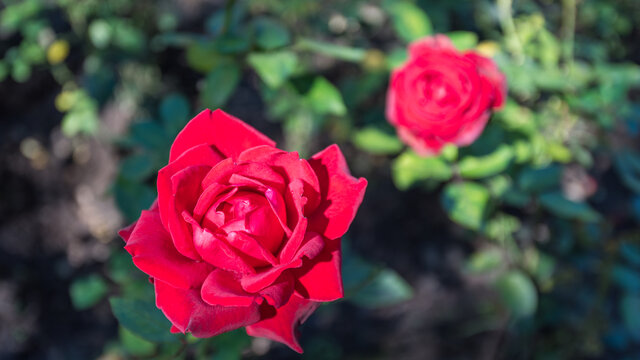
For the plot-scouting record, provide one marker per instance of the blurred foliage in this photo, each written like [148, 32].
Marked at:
[548, 196]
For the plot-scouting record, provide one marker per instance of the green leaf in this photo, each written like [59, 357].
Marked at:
[21, 71]
[269, 34]
[4, 70]
[325, 98]
[409, 21]
[355, 270]
[397, 57]
[219, 85]
[83, 116]
[387, 288]
[230, 345]
[133, 197]
[463, 40]
[370, 286]
[376, 141]
[563, 207]
[476, 167]
[630, 314]
[345, 53]
[174, 108]
[466, 203]
[127, 36]
[87, 291]
[627, 165]
[501, 227]
[134, 344]
[274, 68]
[631, 252]
[15, 14]
[518, 293]
[203, 57]
[143, 318]
[100, 33]
[409, 168]
[137, 167]
[149, 135]
[627, 278]
[120, 267]
[514, 117]
[232, 43]
[536, 180]
[485, 261]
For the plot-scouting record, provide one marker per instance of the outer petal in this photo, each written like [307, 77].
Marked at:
[222, 288]
[341, 193]
[311, 247]
[489, 69]
[227, 133]
[125, 233]
[283, 327]
[153, 252]
[428, 45]
[320, 278]
[188, 313]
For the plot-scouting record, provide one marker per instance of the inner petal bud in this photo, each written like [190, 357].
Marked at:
[251, 213]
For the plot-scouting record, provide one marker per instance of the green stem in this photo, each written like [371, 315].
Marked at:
[509, 28]
[228, 14]
[568, 29]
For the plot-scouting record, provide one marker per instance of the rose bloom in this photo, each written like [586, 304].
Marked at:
[441, 96]
[242, 233]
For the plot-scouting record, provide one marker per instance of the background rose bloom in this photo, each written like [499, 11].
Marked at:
[242, 233]
[441, 96]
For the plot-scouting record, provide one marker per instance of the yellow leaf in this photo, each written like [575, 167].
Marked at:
[57, 52]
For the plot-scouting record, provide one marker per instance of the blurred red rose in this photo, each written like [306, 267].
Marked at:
[441, 96]
[242, 233]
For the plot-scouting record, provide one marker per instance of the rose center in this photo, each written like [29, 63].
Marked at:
[434, 88]
[247, 212]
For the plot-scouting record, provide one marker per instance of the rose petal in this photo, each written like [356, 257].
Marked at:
[188, 313]
[153, 252]
[489, 69]
[428, 45]
[227, 133]
[259, 256]
[262, 173]
[283, 327]
[255, 282]
[222, 288]
[216, 251]
[311, 246]
[293, 244]
[320, 279]
[125, 233]
[198, 155]
[279, 293]
[186, 190]
[341, 193]
[292, 167]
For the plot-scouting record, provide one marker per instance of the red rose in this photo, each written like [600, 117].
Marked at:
[242, 233]
[441, 96]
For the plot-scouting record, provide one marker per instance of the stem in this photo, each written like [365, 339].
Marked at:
[509, 29]
[339, 52]
[228, 14]
[182, 348]
[568, 29]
